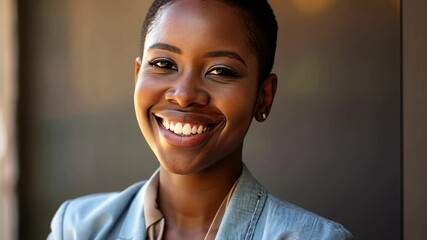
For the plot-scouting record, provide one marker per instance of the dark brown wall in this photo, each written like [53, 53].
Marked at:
[415, 118]
[332, 143]
[78, 130]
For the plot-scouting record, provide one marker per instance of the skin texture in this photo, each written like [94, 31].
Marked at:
[197, 69]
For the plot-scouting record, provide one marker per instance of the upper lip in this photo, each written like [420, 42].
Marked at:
[189, 117]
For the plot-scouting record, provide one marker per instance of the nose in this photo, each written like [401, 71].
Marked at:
[188, 91]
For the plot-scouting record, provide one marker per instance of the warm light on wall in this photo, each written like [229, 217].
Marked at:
[8, 101]
[312, 6]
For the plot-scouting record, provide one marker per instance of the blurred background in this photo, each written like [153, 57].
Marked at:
[333, 143]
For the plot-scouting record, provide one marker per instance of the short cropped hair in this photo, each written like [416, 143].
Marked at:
[260, 22]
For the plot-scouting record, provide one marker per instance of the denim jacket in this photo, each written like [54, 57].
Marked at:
[252, 213]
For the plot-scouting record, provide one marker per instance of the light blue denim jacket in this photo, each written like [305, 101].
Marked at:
[253, 213]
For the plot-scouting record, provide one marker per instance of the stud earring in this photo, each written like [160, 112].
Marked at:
[264, 116]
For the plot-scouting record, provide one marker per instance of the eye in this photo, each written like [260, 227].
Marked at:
[163, 64]
[223, 71]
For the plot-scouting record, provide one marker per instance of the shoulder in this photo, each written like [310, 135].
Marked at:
[253, 213]
[293, 222]
[95, 215]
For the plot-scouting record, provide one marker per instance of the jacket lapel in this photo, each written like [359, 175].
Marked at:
[244, 209]
[133, 227]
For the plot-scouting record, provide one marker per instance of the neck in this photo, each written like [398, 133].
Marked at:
[190, 202]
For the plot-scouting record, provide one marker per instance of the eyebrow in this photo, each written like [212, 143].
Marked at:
[228, 54]
[213, 54]
[166, 47]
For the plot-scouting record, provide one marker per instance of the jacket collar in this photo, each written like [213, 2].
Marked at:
[239, 219]
[133, 227]
[244, 209]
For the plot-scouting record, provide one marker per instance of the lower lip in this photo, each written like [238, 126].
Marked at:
[184, 141]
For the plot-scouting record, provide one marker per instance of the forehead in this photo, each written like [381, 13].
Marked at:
[197, 22]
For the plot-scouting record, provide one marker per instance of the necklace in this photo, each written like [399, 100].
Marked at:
[216, 222]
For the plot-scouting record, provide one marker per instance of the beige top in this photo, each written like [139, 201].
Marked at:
[155, 222]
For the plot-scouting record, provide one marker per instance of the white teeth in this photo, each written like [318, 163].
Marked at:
[200, 129]
[186, 130]
[178, 128]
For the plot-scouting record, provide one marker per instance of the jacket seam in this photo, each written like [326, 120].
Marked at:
[251, 228]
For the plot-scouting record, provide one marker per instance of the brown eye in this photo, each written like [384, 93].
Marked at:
[223, 71]
[163, 64]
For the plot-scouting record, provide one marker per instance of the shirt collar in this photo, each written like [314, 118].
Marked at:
[152, 213]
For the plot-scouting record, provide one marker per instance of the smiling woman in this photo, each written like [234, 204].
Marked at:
[185, 82]
[204, 73]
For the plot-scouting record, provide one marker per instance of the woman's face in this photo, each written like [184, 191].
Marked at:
[196, 86]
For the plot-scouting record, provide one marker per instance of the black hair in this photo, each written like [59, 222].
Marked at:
[260, 22]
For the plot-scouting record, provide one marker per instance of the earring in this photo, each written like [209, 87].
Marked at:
[264, 116]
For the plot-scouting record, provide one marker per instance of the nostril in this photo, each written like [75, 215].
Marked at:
[187, 96]
[171, 100]
[170, 96]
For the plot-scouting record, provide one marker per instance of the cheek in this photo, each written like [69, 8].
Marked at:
[238, 106]
[139, 101]
[145, 95]
[148, 91]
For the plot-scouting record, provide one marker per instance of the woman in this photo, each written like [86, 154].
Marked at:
[203, 74]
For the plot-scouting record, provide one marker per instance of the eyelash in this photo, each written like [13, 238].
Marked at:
[221, 71]
[157, 64]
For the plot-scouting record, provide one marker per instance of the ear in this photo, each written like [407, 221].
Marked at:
[137, 67]
[266, 93]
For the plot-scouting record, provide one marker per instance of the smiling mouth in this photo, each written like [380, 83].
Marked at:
[186, 131]
[183, 128]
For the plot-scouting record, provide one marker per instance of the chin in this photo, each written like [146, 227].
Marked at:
[177, 166]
